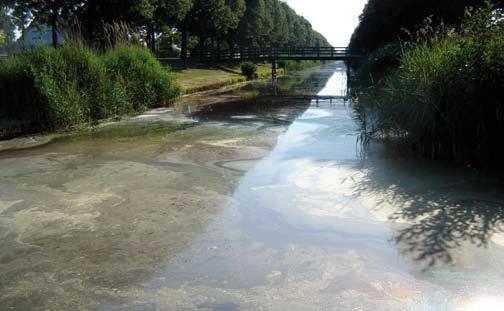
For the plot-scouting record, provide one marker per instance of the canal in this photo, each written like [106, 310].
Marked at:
[267, 205]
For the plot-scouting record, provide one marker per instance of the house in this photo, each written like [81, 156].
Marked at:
[37, 34]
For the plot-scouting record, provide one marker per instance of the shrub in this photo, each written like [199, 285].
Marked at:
[248, 69]
[147, 83]
[47, 88]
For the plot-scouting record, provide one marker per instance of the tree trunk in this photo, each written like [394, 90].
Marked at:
[231, 43]
[152, 38]
[212, 49]
[54, 24]
[23, 31]
[183, 43]
[201, 45]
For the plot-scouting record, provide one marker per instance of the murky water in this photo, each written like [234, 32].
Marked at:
[266, 207]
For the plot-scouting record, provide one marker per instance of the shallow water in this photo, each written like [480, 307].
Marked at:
[267, 207]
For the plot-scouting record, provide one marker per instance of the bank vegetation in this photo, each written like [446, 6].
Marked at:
[49, 88]
[439, 93]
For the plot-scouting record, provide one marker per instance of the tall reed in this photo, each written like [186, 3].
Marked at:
[47, 88]
[445, 100]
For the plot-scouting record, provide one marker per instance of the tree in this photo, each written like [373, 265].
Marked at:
[20, 17]
[167, 14]
[384, 21]
[237, 9]
[96, 15]
[210, 21]
[52, 12]
[249, 23]
[251, 26]
[7, 26]
[280, 33]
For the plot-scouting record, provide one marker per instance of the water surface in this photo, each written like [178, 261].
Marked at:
[269, 206]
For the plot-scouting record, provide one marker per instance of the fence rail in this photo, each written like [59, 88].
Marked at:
[290, 53]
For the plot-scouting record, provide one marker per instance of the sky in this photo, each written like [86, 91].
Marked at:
[335, 19]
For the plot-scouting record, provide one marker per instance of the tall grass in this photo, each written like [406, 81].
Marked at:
[47, 88]
[445, 100]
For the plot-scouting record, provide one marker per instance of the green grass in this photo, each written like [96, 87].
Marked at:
[201, 76]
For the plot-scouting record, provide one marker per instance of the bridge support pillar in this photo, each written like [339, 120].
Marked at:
[273, 70]
[274, 75]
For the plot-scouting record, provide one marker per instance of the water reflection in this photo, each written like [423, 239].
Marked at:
[315, 225]
[268, 206]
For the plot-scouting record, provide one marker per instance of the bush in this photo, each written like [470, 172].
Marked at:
[445, 101]
[147, 83]
[47, 88]
[248, 69]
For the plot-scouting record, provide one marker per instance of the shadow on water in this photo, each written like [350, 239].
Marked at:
[439, 213]
[276, 105]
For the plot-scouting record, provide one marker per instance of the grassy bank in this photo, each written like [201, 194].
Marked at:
[46, 89]
[198, 76]
[445, 99]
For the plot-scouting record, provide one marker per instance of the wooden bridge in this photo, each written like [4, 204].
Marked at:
[269, 54]
[274, 55]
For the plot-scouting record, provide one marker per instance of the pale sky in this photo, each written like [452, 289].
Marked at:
[335, 19]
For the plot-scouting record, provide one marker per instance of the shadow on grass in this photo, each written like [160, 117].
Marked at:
[179, 65]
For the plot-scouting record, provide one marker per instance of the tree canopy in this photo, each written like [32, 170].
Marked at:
[384, 21]
[207, 24]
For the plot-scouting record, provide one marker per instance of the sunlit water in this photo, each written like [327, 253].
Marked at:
[271, 208]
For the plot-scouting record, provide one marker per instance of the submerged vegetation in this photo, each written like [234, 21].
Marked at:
[440, 96]
[49, 88]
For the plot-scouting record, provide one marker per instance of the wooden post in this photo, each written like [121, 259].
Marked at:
[274, 75]
[273, 69]
[349, 78]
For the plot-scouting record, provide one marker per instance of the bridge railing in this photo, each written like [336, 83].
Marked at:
[275, 53]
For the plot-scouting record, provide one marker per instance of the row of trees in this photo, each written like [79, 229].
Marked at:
[193, 24]
[385, 21]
